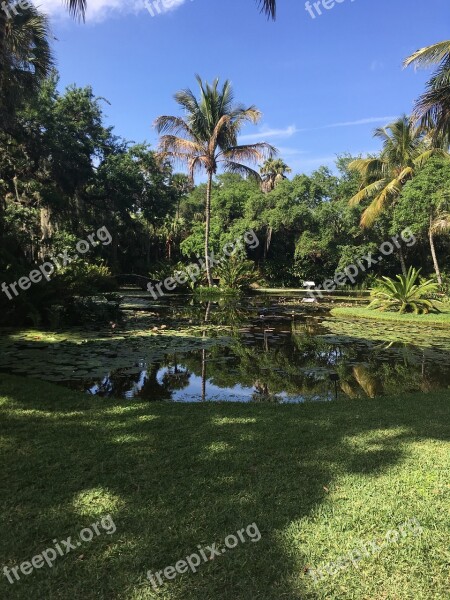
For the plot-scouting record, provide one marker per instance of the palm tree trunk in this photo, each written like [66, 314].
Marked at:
[402, 261]
[433, 252]
[207, 229]
[268, 241]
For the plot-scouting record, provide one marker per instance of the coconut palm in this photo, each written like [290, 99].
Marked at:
[273, 172]
[405, 150]
[432, 109]
[26, 59]
[206, 138]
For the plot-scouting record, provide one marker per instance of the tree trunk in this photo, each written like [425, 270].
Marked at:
[47, 230]
[433, 252]
[268, 241]
[402, 261]
[3, 23]
[207, 229]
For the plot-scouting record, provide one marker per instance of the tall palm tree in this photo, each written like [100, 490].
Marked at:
[209, 133]
[405, 149]
[25, 61]
[432, 109]
[273, 172]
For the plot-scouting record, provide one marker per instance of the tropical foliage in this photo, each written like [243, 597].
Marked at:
[432, 110]
[405, 294]
[273, 171]
[236, 273]
[405, 150]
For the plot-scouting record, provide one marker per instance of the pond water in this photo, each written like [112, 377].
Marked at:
[256, 349]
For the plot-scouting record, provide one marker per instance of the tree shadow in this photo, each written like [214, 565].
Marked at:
[178, 476]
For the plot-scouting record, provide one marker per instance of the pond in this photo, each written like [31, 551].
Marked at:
[255, 349]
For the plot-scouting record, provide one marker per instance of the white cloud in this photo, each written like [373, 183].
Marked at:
[99, 10]
[367, 121]
[267, 133]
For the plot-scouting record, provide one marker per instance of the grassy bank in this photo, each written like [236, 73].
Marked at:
[318, 480]
[442, 318]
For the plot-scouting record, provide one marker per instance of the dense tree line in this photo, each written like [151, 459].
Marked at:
[64, 174]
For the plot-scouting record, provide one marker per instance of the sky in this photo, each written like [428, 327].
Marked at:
[322, 84]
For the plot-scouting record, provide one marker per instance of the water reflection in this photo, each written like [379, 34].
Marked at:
[277, 356]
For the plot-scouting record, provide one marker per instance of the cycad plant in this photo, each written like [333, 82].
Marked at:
[236, 273]
[405, 294]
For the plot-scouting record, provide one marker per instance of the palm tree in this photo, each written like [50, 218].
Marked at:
[25, 61]
[273, 172]
[432, 109]
[210, 129]
[405, 149]
[11, 10]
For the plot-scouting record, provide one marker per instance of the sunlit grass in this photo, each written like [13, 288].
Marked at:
[442, 318]
[318, 479]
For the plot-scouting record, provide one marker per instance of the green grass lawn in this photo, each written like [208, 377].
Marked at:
[318, 480]
[442, 318]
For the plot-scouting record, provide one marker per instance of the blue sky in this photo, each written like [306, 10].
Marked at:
[322, 84]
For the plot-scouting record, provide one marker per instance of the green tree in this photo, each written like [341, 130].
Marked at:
[210, 128]
[424, 206]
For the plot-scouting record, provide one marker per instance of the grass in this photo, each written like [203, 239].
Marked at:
[442, 318]
[317, 479]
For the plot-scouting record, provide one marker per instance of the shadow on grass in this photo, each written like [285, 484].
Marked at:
[177, 476]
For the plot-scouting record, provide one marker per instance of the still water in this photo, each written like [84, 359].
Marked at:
[256, 349]
[278, 350]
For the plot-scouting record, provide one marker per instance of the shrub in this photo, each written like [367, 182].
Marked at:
[82, 278]
[236, 274]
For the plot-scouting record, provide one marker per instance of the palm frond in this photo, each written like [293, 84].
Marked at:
[429, 56]
[269, 7]
[249, 152]
[389, 193]
[173, 125]
[77, 8]
[368, 192]
[241, 169]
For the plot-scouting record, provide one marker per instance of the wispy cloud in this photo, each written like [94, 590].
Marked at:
[100, 10]
[266, 134]
[376, 65]
[368, 121]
